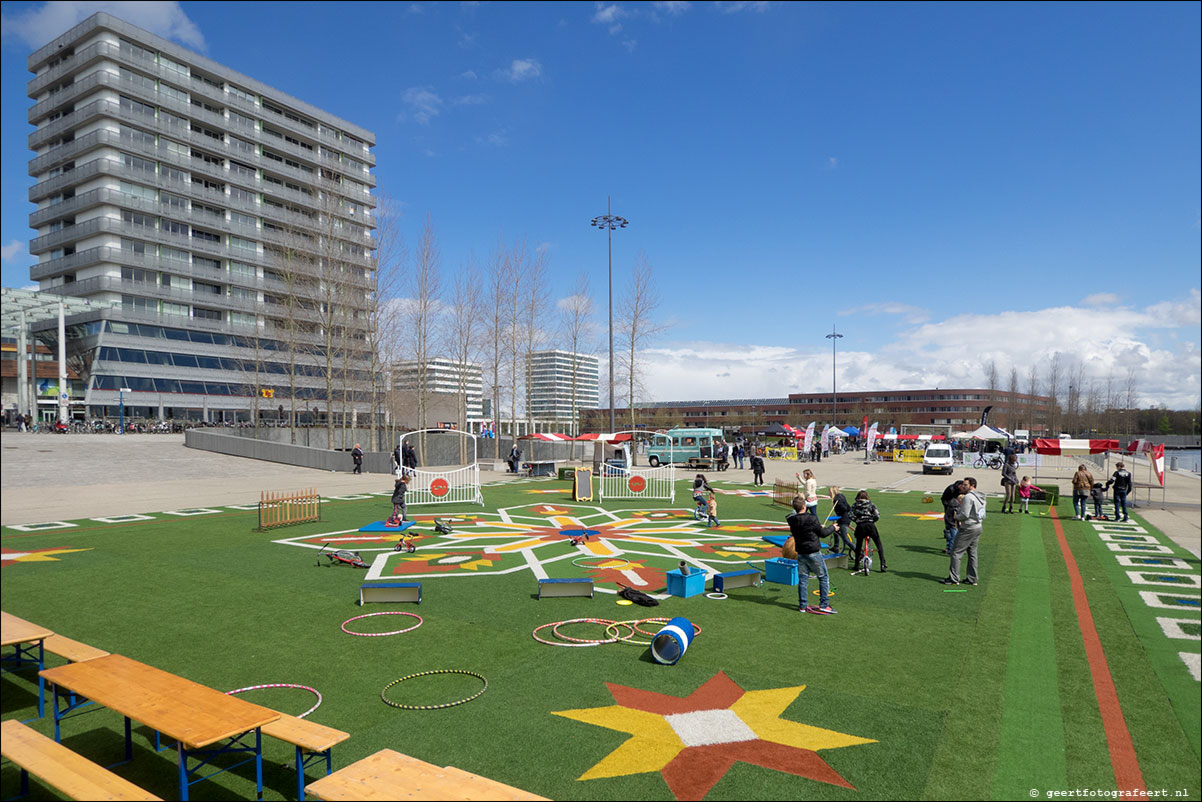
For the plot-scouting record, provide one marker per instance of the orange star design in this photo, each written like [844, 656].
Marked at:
[692, 742]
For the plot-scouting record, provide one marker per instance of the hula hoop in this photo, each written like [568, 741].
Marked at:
[382, 634]
[576, 562]
[313, 691]
[715, 595]
[629, 638]
[534, 635]
[388, 701]
[555, 630]
[696, 629]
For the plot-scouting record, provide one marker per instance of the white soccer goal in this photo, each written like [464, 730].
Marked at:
[449, 486]
[638, 483]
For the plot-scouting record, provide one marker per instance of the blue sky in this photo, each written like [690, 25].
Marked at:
[948, 184]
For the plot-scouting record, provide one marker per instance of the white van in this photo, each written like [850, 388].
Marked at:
[938, 459]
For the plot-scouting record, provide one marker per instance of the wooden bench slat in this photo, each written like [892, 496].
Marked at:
[308, 735]
[71, 650]
[391, 775]
[57, 766]
[494, 789]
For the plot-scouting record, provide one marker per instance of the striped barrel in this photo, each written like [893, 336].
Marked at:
[670, 643]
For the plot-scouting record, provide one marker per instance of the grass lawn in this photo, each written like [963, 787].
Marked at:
[912, 690]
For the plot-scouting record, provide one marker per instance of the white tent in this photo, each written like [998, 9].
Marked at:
[990, 433]
[835, 431]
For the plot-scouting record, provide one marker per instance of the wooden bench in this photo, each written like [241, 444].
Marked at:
[71, 650]
[389, 775]
[69, 773]
[701, 464]
[313, 741]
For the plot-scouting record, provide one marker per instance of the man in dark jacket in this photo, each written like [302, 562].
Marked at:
[807, 539]
[357, 456]
[408, 458]
[951, 503]
[1121, 484]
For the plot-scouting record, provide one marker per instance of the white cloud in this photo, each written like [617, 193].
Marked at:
[469, 75]
[523, 69]
[470, 100]
[911, 314]
[736, 7]
[832, 162]
[1101, 299]
[423, 102]
[497, 139]
[673, 7]
[630, 44]
[9, 252]
[38, 25]
[608, 14]
[953, 353]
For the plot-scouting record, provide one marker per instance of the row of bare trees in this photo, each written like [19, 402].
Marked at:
[1078, 403]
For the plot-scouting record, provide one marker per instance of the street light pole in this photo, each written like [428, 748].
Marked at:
[834, 337]
[609, 222]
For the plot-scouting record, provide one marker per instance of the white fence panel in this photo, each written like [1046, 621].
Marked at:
[637, 483]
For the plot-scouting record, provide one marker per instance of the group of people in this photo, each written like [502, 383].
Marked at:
[807, 533]
[1014, 487]
[1084, 487]
[963, 516]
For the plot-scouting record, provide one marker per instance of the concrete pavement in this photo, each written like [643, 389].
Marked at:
[48, 477]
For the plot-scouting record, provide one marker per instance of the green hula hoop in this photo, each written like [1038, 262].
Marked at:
[388, 701]
[629, 638]
[576, 562]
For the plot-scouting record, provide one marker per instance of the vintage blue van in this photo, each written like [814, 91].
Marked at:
[681, 445]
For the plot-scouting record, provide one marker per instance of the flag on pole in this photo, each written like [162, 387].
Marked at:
[1157, 454]
[809, 441]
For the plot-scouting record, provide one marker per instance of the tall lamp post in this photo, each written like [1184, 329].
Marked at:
[834, 337]
[608, 222]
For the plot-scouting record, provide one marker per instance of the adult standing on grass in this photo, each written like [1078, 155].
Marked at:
[842, 509]
[865, 514]
[810, 490]
[951, 503]
[1009, 482]
[408, 458]
[807, 540]
[1082, 484]
[1122, 484]
[969, 518]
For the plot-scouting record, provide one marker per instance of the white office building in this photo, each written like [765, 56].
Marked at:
[230, 224]
[444, 379]
[551, 377]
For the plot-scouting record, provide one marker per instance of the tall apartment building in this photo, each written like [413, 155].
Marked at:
[443, 382]
[549, 380]
[231, 223]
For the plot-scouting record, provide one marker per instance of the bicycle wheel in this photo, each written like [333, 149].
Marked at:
[979, 463]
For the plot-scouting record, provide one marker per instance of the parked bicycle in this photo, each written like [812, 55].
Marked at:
[993, 461]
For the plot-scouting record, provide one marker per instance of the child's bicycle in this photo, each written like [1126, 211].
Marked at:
[865, 568]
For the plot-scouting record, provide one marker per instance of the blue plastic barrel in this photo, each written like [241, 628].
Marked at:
[670, 643]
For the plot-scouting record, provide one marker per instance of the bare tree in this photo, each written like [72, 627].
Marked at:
[637, 326]
[466, 309]
[500, 288]
[424, 290]
[519, 267]
[1054, 384]
[576, 312]
[387, 259]
[534, 302]
[1131, 399]
[1012, 400]
[1032, 392]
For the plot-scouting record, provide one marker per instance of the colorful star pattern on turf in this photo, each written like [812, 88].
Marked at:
[623, 547]
[8, 556]
[692, 742]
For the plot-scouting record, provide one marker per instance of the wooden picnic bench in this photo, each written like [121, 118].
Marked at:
[313, 741]
[67, 772]
[71, 650]
[389, 775]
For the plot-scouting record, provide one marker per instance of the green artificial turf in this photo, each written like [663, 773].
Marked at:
[977, 695]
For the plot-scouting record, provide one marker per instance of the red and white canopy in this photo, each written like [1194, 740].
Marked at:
[1052, 446]
[555, 438]
[609, 438]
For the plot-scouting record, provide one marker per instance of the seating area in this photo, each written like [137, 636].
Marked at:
[67, 772]
[392, 775]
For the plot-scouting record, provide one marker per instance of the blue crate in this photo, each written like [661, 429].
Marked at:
[781, 571]
[686, 585]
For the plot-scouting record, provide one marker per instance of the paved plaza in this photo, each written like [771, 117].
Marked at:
[50, 477]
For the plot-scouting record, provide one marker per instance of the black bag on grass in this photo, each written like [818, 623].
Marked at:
[638, 597]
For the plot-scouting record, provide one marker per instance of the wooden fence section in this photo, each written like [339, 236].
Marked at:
[283, 509]
[783, 492]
